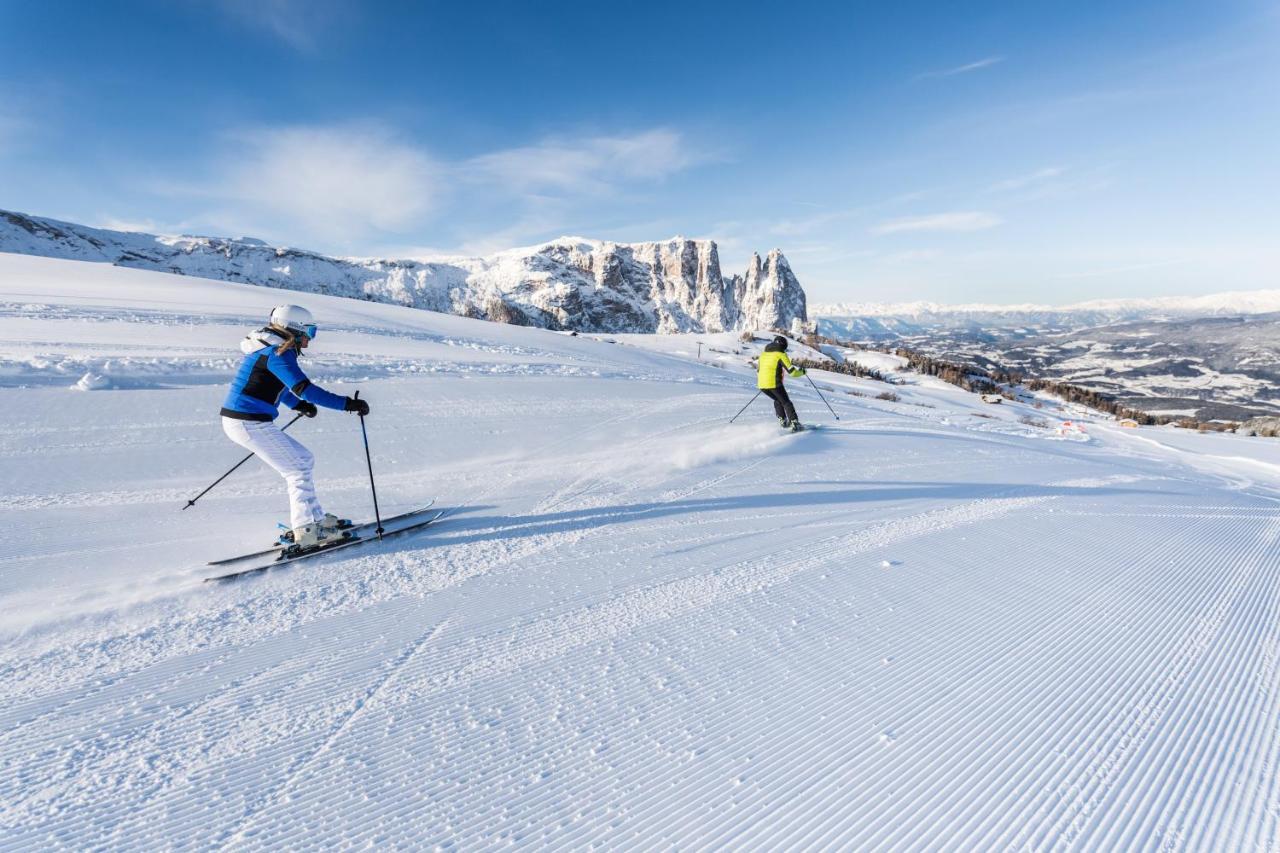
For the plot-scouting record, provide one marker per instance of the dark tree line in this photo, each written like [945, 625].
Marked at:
[1094, 400]
[970, 377]
[848, 368]
[985, 381]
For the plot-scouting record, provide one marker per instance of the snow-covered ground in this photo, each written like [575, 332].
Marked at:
[928, 625]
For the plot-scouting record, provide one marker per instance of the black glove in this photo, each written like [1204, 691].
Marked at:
[305, 408]
[355, 404]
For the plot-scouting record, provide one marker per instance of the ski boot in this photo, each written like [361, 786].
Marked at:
[332, 522]
[784, 423]
[796, 426]
[314, 535]
[325, 530]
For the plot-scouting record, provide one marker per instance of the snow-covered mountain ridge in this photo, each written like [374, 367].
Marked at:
[569, 283]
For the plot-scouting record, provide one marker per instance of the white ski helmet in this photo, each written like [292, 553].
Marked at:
[294, 318]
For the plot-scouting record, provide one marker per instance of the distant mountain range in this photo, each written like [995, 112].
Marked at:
[1208, 358]
[569, 284]
[886, 321]
[1207, 368]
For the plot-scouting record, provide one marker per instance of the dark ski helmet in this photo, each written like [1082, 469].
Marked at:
[781, 342]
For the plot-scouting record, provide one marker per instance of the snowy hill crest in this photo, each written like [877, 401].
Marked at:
[570, 283]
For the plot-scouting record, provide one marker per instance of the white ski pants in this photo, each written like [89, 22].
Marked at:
[293, 462]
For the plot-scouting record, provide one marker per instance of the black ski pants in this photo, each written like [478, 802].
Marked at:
[781, 403]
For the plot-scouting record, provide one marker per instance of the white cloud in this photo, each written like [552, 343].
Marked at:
[13, 128]
[585, 165]
[909, 255]
[333, 182]
[987, 62]
[8, 134]
[826, 254]
[299, 23]
[1022, 181]
[1125, 268]
[809, 224]
[136, 226]
[540, 219]
[357, 186]
[957, 221]
[908, 197]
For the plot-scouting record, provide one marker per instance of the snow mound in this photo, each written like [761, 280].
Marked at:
[92, 382]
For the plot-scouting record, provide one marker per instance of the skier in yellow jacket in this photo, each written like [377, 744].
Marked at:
[769, 380]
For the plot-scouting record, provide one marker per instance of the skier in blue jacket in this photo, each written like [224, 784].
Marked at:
[270, 376]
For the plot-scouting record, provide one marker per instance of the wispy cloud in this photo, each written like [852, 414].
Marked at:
[139, 226]
[805, 225]
[1126, 268]
[808, 224]
[956, 221]
[1023, 181]
[354, 184]
[825, 253]
[298, 23]
[562, 165]
[538, 218]
[909, 256]
[332, 183]
[14, 126]
[987, 62]
[11, 129]
[908, 197]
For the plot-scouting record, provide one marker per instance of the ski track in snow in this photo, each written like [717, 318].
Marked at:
[637, 627]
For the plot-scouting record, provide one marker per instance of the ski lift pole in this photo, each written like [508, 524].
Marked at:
[369, 461]
[192, 502]
[744, 408]
[824, 399]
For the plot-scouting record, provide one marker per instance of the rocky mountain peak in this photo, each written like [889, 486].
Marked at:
[769, 295]
[573, 283]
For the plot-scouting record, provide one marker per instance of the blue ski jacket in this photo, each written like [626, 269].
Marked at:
[268, 379]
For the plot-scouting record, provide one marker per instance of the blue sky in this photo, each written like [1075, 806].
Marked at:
[957, 152]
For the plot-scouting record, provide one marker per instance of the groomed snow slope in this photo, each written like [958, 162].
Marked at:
[638, 627]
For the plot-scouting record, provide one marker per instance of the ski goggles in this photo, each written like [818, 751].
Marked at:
[309, 330]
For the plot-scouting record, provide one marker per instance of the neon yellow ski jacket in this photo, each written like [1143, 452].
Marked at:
[772, 363]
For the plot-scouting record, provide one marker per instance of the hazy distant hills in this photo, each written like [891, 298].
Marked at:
[1212, 358]
[893, 317]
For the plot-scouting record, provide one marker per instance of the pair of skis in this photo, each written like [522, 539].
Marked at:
[358, 534]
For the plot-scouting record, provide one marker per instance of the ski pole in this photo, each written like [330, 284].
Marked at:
[369, 461]
[192, 502]
[824, 399]
[744, 408]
